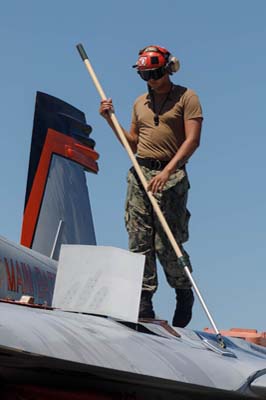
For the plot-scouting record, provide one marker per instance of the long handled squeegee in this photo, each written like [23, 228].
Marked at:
[153, 201]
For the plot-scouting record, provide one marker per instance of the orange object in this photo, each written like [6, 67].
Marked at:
[66, 146]
[250, 335]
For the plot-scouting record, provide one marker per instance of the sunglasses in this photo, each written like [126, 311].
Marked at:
[155, 74]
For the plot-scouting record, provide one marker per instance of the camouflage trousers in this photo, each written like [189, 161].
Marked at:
[146, 235]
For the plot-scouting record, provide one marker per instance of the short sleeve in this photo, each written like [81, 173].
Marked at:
[192, 106]
[134, 119]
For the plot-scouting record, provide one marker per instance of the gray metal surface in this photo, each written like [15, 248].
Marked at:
[94, 279]
[25, 272]
[104, 342]
[66, 198]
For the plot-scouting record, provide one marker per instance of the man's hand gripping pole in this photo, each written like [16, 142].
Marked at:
[120, 133]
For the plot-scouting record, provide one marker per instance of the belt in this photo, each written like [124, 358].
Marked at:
[151, 163]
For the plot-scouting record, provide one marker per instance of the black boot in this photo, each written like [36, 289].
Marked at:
[145, 308]
[184, 304]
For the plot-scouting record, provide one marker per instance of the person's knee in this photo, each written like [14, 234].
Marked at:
[141, 241]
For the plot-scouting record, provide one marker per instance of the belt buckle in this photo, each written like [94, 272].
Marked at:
[157, 164]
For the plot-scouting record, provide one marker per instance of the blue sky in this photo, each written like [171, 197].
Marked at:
[221, 47]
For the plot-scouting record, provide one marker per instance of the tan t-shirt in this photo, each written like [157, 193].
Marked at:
[162, 142]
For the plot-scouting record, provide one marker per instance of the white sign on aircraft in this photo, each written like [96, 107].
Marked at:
[99, 280]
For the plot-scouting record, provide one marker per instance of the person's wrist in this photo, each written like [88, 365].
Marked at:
[168, 170]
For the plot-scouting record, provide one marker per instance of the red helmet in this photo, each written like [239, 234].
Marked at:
[153, 57]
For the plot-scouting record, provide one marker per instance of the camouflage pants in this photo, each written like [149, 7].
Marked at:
[146, 235]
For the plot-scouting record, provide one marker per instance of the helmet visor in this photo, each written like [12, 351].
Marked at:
[155, 74]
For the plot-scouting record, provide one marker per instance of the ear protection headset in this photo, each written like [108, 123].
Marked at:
[154, 57]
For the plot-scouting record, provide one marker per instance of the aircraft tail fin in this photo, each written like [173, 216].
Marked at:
[57, 206]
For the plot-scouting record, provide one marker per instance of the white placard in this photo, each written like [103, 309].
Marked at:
[99, 280]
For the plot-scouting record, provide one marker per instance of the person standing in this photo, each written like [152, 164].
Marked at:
[164, 133]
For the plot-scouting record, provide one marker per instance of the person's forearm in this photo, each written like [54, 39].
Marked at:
[106, 110]
[182, 155]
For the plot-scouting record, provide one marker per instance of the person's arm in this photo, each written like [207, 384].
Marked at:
[132, 137]
[190, 144]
